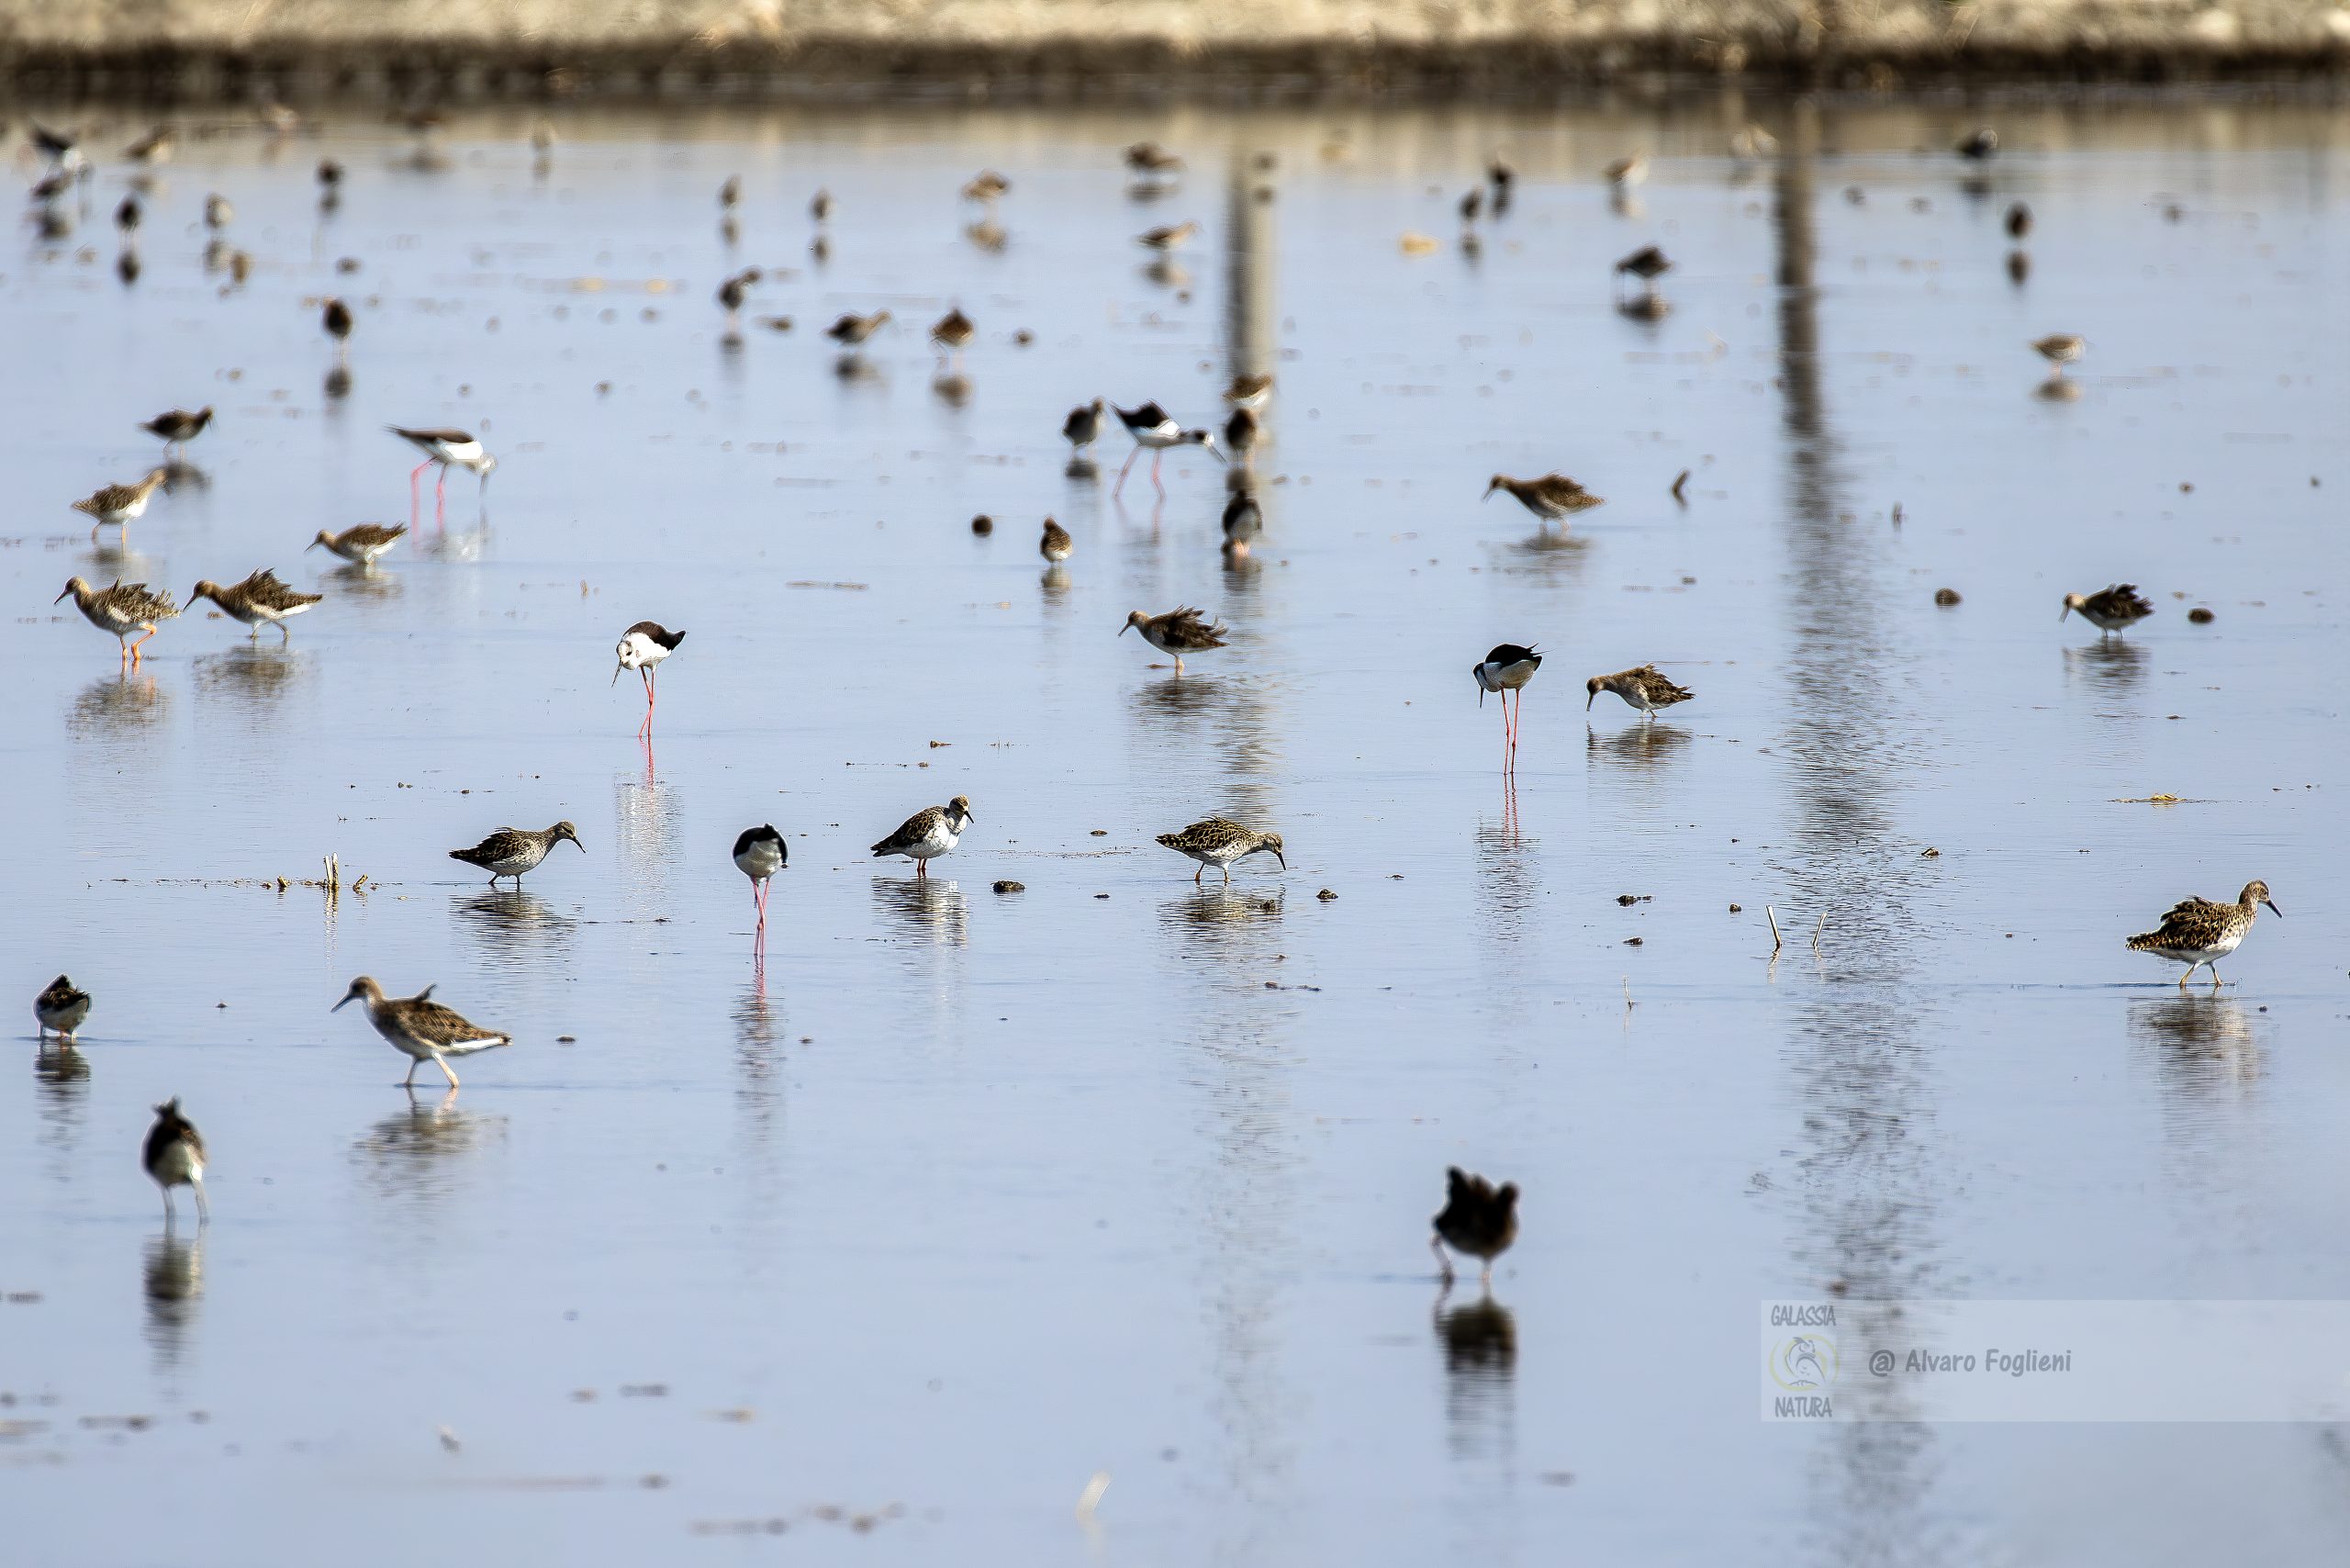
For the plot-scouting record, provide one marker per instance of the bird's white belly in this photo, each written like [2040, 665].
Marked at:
[762, 860]
[179, 1166]
[934, 844]
[1221, 855]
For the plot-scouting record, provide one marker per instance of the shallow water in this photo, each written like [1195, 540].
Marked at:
[885, 1247]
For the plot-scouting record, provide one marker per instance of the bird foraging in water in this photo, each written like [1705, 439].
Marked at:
[173, 1156]
[336, 319]
[985, 186]
[61, 1007]
[735, 290]
[1153, 427]
[641, 648]
[2198, 932]
[120, 504]
[1056, 546]
[1647, 264]
[759, 854]
[1978, 145]
[851, 330]
[1218, 841]
[217, 212]
[260, 600]
[2115, 609]
[1643, 689]
[127, 216]
[511, 851]
[1240, 433]
[2060, 348]
[121, 610]
[929, 833]
[2018, 220]
[1148, 159]
[1167, 236]
[1179, 632]
[1506, 669]
[1477, 1219]
[450, 449]
[421, 1028]
[1244, 519]
[1626, 173]
[176, 427]
[951, 334]
[361, 542]
[1083, 427]
[1248, 391]
[1550, 497]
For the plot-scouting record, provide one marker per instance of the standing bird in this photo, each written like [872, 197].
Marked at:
[1626, 173]
[735, 290]
[1506, 669]
[759, 854]
[1248, 391]
[1179, 632]
[2115, 609]
[2060, 348]
[1150, 161]
[329, 183]
[2018, 220]
[929, 833]
[1550, 497]
[951, 334]
[1643, 689]
[177, 426]
[1153, 427]
[1240, 433]
[1083, 427]
[61, 1007]
[260, 600]
[361, 542]
[421, 1028]
[448, 448]
[1647, 264]
[1218, 841]
[1243, 521]
[641, 648]
[1168, 238]
[1056, 546]
[851, 330]
[121, 610]
[61, 148]
[820, 206]
[511, 851]
[120, 504]
[156, 147]
[127, 216]
[1978, 145]
[985, 186]
[337, 321]
[730, 193]
[1477, 1219]
[2198, 932]
[217, 212]
[173, 1156]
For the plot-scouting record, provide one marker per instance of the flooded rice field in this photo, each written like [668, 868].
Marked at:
[959, 1208]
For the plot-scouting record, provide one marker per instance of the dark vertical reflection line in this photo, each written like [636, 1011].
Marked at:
[1864, 1150]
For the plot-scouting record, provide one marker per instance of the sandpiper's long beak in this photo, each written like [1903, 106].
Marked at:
[311, 545]
[2063, 613]
[1588, 699]
[2274, 910]
[1121, 631]
[1282, 858]
[69, 588]
[346, 997]
[1489, 492]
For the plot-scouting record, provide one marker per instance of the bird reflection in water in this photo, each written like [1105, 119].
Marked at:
[1167, 272]
[1081, 467]
[1641, 747]
[987, 235]
[338, 384]
[416, 1146]
[252, 672]
[118, 703]
[1506, 871]
[1479, 1339]
[460, 544]
[516, 930]
[1186, 696]
[1548, 550]
[926, 909]
[365, 582]
[172, 1276]
[2110, 665]
[180, 476]
[2203, 1044]
[953, 388]
[2058, 389]
[1054, 584]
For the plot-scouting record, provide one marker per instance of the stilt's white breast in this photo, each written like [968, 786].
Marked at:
[763, 858]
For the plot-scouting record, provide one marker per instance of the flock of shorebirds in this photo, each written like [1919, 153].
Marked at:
[1479, 1220]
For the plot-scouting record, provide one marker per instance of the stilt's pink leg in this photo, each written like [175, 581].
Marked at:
[1157, 454]
[1121, 485]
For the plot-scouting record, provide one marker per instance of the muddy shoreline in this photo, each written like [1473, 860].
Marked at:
[417, 52]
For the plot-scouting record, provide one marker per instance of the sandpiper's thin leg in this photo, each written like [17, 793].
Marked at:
[203, 1209]
[2215, 981]
[283, 638]
[1443, 1263]
[1227, 874]
[409, 1081]
[443, 1062]
[169, 1213]
[1198, 874]
[2190, 973]
[1121, 485]
[1486, 1279]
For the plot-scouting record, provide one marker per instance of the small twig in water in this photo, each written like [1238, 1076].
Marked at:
[1627, 993]
[1677, 486]
[1777, 941]
[1816, 930]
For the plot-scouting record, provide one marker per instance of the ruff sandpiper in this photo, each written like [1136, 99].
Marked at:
[121, 504]
[177, 426]
[260, 600]
[1179, 632]
[951, 334]
[986, 187]
[1478, 1220]
[1647, 264]
[2060, 348]
[449, 449]
[173, 1156]
[336, 321]
[511, 851]
[1149, 161]
[1083, 427]
[1056, 546]
[735, 291]
[121, 610]
[1978, 145]
[1168, 238]
[1643, 689]
[641, 648]
[2018, 220]
[851, 330]
[2115, 609]
[1156, 430]
[2199, 932]
[156, 147]
[127, 218]
[1626, 173]
[1249, 391]
[362, 542]
[1506, 669]
[421, 1027]
[759, 854]
[1551, 498]
[1218, 841]
[60, 1008]
[931, 831]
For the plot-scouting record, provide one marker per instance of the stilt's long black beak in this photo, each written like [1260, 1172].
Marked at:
[616, 674]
